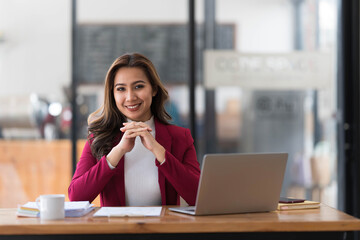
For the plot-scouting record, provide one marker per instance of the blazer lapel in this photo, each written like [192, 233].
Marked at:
[163, 137]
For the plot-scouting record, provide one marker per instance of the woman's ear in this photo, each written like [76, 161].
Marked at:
[155, 89]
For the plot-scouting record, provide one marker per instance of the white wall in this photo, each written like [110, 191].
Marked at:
[35, 54]
[133, 11]
[261, 25]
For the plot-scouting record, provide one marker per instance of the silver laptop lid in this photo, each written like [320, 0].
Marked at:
[239, 183]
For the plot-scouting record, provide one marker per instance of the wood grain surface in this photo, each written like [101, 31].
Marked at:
[29, 168]
[323, 219]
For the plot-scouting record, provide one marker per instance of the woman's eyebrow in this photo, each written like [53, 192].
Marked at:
[134, 83]
[138, 81]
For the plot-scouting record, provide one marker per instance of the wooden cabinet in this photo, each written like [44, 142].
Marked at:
[29, 168]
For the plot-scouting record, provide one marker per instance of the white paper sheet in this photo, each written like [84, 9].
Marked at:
[72, 209]
[128, 212]
[76, 205]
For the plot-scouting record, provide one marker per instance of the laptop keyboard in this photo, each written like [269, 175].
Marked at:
[192, 209]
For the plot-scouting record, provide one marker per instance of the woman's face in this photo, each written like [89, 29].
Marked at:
[133, 93]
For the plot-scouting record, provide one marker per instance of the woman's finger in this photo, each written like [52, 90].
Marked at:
[135, 126]
[133, 134]
[137, 130]
[141, 124]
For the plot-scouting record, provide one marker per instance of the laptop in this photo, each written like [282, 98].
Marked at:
[238, 183]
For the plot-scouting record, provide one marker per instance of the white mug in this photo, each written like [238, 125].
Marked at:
[51, 206]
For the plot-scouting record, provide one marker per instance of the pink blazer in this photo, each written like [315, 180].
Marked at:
[178, 175]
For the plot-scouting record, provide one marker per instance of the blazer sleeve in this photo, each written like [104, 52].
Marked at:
[183, 174]
[90, 176]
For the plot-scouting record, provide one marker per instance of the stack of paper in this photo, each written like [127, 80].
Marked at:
[77, 209]
[128, 212]
[72, 209]
[28, 210]
[302, 205]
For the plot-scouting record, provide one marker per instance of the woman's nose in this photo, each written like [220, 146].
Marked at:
[130, 95]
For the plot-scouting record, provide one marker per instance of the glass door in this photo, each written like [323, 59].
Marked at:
[272, 89]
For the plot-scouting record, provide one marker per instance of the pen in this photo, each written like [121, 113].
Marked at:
[126, 215]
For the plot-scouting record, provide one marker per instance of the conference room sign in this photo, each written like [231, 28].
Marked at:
[280, 71]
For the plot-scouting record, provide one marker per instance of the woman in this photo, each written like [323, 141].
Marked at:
[133, 156]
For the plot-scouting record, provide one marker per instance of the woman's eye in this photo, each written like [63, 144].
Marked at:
[139, 86]
[120, 89]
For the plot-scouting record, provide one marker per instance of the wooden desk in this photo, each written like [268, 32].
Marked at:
[299, 224]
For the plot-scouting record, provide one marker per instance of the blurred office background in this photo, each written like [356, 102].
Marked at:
[283, 96]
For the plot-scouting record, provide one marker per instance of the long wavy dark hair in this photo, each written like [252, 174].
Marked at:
[104, 123]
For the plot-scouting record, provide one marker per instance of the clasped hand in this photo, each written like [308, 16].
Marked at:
[133, 129]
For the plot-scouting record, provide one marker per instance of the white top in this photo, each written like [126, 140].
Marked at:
[141, 175]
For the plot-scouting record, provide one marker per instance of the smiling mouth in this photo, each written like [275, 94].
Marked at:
[133, 107]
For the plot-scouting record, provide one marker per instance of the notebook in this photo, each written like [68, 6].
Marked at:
[238, 183]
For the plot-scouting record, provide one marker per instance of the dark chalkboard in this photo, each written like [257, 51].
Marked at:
[166, 45]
